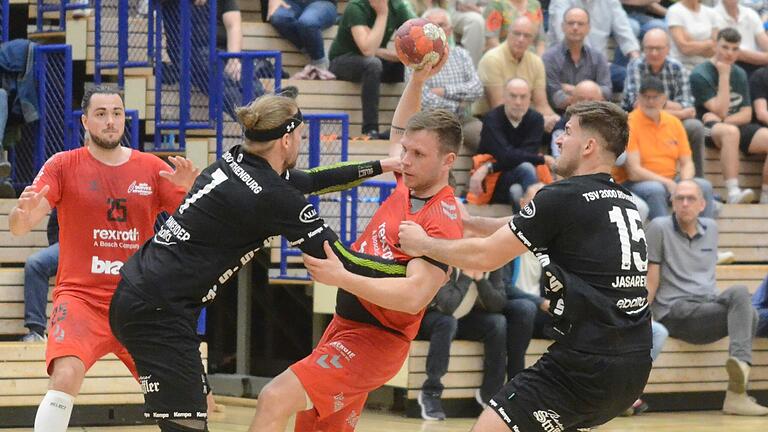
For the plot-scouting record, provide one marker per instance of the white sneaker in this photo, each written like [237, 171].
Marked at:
[725, 257]
[743, 196]
[741, 404]
[738, 375]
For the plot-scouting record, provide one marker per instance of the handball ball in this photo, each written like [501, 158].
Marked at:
[420, 42]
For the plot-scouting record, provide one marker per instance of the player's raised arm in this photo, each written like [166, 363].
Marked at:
[29, 211]
[410, 103]
[339, 176]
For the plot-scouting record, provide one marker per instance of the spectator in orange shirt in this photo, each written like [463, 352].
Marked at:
[658, 152]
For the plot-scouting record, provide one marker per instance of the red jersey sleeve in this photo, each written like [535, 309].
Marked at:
[50, 174]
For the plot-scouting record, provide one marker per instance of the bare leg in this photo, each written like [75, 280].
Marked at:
[726, 138]
[278, 401]
[489, 421]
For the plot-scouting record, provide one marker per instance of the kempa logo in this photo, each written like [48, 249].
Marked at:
[105, 267]
[308, 214]
[142, 189]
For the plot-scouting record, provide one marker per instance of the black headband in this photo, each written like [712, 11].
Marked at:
[288, 126]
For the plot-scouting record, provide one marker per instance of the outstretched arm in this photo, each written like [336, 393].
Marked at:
[339, 176]
[484, 253]
[410, 103]
[29, 211]
[409, 294]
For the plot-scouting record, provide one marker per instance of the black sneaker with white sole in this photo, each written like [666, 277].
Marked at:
[431, 407]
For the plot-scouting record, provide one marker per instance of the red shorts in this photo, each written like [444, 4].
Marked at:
[80, 328]
[350, 360]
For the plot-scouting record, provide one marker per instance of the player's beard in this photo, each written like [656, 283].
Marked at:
[105, 144]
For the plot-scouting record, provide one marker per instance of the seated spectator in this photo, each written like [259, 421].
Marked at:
[570, 62]
[644, 15]
[466, 307]
[513, 60]
[760, 302]
[658, 153]
[723, 103]
[656, 62]
[693, 27]
[302, 24]
[753, 52]
[607, 18]
[758, 90]
[682, 251]
[40, 267]
[512, 134]
[359, 52]
[455, 86]
[500, 14]
[583, 91]
[469, 27]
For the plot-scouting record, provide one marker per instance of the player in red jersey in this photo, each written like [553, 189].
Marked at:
[368, 339]
[108, 197]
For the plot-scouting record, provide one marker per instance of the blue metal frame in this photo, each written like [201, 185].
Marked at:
[246, 60]
[123, 35]
[4, 16]
[185, 87]
[62, 7]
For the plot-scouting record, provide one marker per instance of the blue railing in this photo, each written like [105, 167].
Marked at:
[59, 6]
[4, 17]
[130, 138]
[123, 37]
[185, 47]
[50, 134]
[231, 92]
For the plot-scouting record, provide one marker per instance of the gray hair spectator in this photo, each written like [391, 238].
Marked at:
[570, 61]
[656, 61]
[682, 251]
[455, 86]
[513, 59]
[512, 134]
[608, 19]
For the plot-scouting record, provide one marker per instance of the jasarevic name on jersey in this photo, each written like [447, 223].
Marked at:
[588, 236]
[235, 206]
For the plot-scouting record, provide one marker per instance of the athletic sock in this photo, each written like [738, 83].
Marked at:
[732, 186]
[54, 412]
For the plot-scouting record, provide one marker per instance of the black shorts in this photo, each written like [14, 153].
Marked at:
[166, 349]
[568, 389]
[746, 133]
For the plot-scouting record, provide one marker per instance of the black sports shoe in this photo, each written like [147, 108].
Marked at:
[431, 408]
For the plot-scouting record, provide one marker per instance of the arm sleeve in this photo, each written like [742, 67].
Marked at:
[701, 89]
[355, 15]
[683, 93]
[451, 294]
[492, 296]
[50, 174]
[757, 84]
[655, 242]
[631, 85]
[470, 88]
[554, 87]
[333, 178]
[299, 222]
[489, 70]
[541, 220]
[621, 29]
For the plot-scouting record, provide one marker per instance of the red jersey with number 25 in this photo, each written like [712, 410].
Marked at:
[439, 217]
[105, 214]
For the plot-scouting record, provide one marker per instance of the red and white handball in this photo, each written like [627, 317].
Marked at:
[420, 42]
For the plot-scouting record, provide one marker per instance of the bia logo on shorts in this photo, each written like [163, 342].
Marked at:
[105, 267]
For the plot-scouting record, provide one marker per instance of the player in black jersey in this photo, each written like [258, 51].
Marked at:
[234, 207]
[588, 236]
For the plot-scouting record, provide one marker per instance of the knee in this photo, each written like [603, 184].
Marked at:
[694, 128]
[282, 18]
[725, 131]
[372, 66]
[446, 324]
[34, 264]
[270, 404]
[741, 293]
[67, 377]
[520, 311]
[660, 332]
[497, 327]
[306, 22]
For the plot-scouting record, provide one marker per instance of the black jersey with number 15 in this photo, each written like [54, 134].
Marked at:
[588, 236]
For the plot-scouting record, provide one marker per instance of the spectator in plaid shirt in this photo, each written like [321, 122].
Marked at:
[456, 86]
[656, 62]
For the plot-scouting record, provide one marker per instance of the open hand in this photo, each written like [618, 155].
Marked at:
[183, 175]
